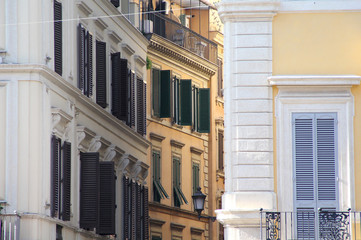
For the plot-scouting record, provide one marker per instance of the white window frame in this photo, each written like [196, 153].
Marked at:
[314, 94]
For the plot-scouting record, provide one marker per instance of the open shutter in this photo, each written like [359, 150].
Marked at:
[55, 158]
[116, 75]
[101, 76]
[220, 77]
[156, 92]
[195, 108]
[146, 213]
[140, 106]
[89, 190]
[58, 38]
[66, 182]
[132, 100]
[124, 92]
[89, 76]
[204, 110]
[185, 102]
[144, 120]
[165, 80]
[107, 199]
[115, 3]
[81, 57]
[126, 208]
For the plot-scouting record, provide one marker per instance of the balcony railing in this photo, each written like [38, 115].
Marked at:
[180, 35]
[9, 227]
[306, 224]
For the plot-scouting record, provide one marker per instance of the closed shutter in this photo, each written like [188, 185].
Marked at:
[204, 110]
[107, 199]
[115, 3]
[101, 76]
[131, 122]
[81, 57]
[140, 106]
[133, 215]
[138, 211]
[185, 115]
[175, 100]
[58, 38]
[55, 182]
[146, 213]
[66, 182]
[156, 92]
[116, 74]
[126, 208]
[124, 90]
[89, 76]
[195, 108]
[220, 77]
[144, 109]
[220, 151]
[89, 190]
[165, 81]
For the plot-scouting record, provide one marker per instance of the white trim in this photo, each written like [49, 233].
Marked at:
[319, 6]
[314, 80]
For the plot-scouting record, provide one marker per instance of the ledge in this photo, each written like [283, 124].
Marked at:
[114, 36]
[314, 80]
[156, 137]
[196, 150]
[138, 59]
[177, 226]
[177, 144]
[128, 49]
[100, 23]
[84, 8]
[156, 222]
[197, 231]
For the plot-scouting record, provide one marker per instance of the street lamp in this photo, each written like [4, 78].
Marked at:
[198, 202]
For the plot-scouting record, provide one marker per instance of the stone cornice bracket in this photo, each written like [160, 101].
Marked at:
[124, 161]
[80, 137]
[67, 130]
[248, 10]
[144, 176]
[95, 144]
[60, 122]
[110, 153]
[137, 168]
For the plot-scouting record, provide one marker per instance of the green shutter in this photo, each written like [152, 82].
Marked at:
[156, 92]
[204, 110]
[164, 110]
[186, 102]
[195, 177]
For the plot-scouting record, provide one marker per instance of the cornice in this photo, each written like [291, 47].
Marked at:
[314, 80]
[173, 51]
[156, 137]
[177, 144]
[196, 150]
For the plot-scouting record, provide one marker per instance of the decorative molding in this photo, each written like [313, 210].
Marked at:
[95, 144]
[84, 8]
[219, 122]
[110, 153]
[177, 144]
[177, 227]
[319, 6]
[138, 59]
[114, 36]
[156, 137]
[156, 222]
[136, 169]
[128, 49]
[314, 80]
[197, 231]
[123, 163]
[100, 23]
[196, 150]
[61, 123]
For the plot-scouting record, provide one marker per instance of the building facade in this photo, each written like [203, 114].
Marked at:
[292, 75]
[73, 161]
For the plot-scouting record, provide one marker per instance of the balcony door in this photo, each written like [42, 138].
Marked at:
[315, 169]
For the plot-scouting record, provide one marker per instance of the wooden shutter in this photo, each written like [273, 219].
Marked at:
[204, 110]
[176, 182]
[66, 181]
[131, 121]
[81, 57]
[144, 120]
[146, 213]
[195, 177]
[89, 75]
[140, 106]
[185, 114]
[115, 3]
[124, 92]
[175, 100]
[156, 92]
[138, 211]
[195, 108]
[220, 151]
[116, 75]
[89, 190]
[107, 199]
[220, 77]
[165, 80]
[58, 38]
[101, 76]
[55, 182]
[126, 208]
[133, 215]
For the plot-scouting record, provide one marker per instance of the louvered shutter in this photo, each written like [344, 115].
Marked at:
[116, 75]
[220, 150]
[175, 100]
[138, 212]
[89, 190]
[195, 177]
[144, 120]
[132, 100]
[204, 110]
[140, 106]
[124, 93]
[107, 199]
[133, 210]
[66, 182]
[195, 108]
[126, 208]
[81, 57]
[55, 159]
[58, 38]
[165, 80]
[89, 76]
[115, 3]
[101, 76]
[156, 92]
[146, 213]
[220, 77]
[185, 115]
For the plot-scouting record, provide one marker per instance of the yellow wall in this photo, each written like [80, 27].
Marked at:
[321, 44]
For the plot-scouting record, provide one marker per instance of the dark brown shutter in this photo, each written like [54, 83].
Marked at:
[66, 182]
[89, 190]
[144, 109]
[89, 80]
[81, 57]
[115, 3]
[132, 99]
[133, 210]
[140, 106]
[138, 211]
[124, 92]
[101, 76]
[116, 73]
[58, 38]
[146, 213]
[125, 208]
[107, 199]
[220, 150]
[55, 157]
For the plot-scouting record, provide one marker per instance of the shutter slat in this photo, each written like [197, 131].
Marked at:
[132, 99]
[133, 215]
[138, 212]
[89, 80]
[81, 57]
[146, 213]
[66, 181]
[144, 120]
[89, 190]
[204, 110]
[140, 106]
[58, 38]
[185, 111]
[126, 207]
[305, 223]
[107, 199]
[55, 158]
[101, 70]
[124, 93]
[165, 80]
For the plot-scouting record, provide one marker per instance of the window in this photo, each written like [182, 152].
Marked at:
[58, 38]
[60, 178]
[220, 151]
[158, 190]
[101, 76]
[315, 168]
[85, 61]
[179, 197]
[195, 169]
[97, 194]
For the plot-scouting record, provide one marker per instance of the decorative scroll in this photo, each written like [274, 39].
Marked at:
[273, 225]
[334, 225]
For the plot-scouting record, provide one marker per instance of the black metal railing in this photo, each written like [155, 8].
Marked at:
[9, 227]
[301, 225]
[177, 33]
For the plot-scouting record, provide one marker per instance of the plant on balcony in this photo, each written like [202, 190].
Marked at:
[149, 63]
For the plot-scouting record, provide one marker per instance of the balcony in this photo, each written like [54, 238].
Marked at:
[177, 33]
[9, 227]
[329, 225]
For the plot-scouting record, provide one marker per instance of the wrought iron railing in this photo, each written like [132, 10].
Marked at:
[323, 225]
[9, 227]
[177, 33]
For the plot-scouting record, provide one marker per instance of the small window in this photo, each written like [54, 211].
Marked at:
[179, 197]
